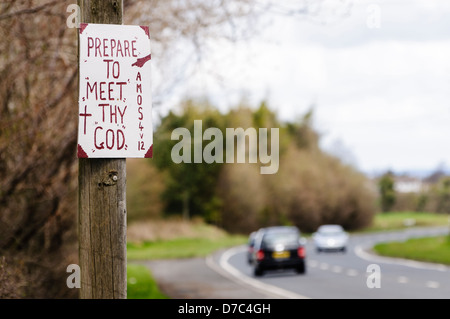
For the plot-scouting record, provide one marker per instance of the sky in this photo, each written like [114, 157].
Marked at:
[378, 79]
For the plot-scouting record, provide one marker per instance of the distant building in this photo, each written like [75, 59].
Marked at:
[409, 184]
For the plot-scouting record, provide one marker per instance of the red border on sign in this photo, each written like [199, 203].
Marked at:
[82, 27]
[81, 152]
[149, 153]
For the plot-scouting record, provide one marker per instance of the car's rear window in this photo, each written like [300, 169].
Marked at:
[285, 238]
[330, 230]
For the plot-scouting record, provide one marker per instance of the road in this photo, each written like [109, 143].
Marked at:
[329, 275]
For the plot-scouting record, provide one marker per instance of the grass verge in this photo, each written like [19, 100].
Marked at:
[180, 247]
[158, 240]
[400, 220]
[140, 283]
[429, 249]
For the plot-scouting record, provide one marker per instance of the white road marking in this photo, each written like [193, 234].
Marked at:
[432, 284]
[227, 270]
[352, 272]
[313, 263]
[402, 280]
[324, 266]
[336, 269]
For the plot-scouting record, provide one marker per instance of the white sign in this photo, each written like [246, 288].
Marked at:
[115, 101]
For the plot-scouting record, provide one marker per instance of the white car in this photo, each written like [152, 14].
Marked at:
[330, 238]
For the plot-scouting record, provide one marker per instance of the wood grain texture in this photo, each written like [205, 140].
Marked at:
[101, 11]
[102, 199]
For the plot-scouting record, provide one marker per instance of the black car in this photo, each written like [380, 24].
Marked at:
[278, 247]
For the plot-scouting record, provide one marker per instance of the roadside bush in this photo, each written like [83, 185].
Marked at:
[145, 185]
[314, 189]
[243, 198]
[310, 188]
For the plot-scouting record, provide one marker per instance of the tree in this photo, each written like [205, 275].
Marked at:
[37, 144]
[314, 188]
[311, 187]
[387, 191]
[443, 195]
[190, 186]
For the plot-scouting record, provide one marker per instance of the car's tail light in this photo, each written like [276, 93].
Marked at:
[260, 255]
[301, 252]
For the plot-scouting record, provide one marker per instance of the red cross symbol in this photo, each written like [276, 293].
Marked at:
[85, 114]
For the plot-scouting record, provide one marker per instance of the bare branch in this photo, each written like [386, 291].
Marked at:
[28, 10]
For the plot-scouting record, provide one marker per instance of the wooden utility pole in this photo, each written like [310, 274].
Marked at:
[102, 199]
